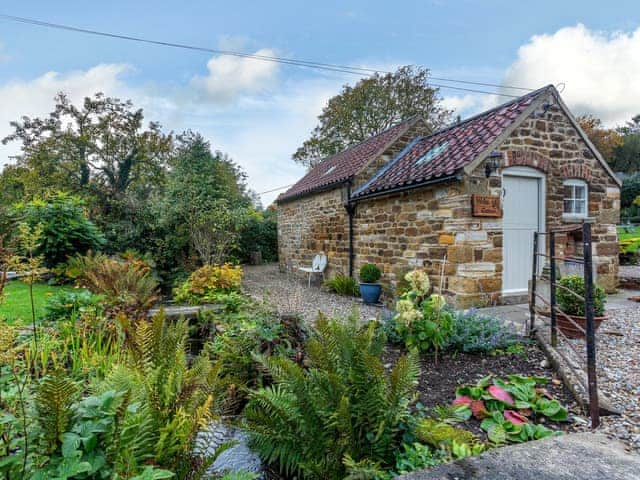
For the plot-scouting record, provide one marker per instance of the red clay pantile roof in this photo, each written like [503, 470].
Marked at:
[445, 152]
[344, 165]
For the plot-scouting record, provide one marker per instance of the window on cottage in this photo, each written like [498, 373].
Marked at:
[576, 198]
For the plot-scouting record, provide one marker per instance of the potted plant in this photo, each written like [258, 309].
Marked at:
[574, 307]
[369, 289]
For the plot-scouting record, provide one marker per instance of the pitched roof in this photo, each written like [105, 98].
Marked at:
[447, 151]
[344, 165]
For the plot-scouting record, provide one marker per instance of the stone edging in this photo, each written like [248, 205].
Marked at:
[574, 376]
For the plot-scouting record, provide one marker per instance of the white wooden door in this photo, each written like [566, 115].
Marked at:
[521, 217]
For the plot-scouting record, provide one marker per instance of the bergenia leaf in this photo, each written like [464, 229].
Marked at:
[462, 400]
[500, 394]
[514, 417]
[478, 409]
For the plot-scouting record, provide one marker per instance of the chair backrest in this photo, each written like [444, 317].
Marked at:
[319, 262]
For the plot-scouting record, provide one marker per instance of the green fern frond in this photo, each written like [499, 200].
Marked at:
[53, 400]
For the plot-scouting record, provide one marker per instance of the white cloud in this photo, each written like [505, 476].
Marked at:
[601, 70]
[230, 76]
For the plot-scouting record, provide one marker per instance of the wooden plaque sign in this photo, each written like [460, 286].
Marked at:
[486, 206]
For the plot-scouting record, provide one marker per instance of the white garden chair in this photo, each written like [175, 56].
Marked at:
[317, 267]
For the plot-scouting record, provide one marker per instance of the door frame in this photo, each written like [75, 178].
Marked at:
[528, 172]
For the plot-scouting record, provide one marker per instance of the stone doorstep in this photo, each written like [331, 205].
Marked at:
[576, 456]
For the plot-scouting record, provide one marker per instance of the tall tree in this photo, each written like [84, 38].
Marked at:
[206, 200]
[627, 155]
[606, 140]
[371, 106]
[100, 146]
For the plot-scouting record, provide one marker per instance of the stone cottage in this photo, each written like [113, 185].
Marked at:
[461, 202]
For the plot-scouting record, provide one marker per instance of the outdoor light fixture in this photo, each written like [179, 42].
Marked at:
[492, 163]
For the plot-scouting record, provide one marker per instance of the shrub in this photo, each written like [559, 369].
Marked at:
[369, 273]
[475, 333]
[251, 329]
[259, 233]
[342, 410]
[66, 229]
[342, 285]
[128, 284]
[207, 282]
[572, 305]
[67, 304]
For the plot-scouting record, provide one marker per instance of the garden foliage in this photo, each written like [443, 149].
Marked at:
[66, 229]
[570, 304]
[342, 285]
[342, 410]
[473, 332]
[369, 273]
[509, 409]
[207, 283]
[422, 319]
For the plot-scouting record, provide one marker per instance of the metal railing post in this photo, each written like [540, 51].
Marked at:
[534, 275]
[590, 332]
[552, 288]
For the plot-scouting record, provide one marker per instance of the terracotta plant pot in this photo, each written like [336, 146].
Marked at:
[570, 330]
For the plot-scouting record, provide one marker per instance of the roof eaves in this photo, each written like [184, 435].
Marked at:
[319, 189]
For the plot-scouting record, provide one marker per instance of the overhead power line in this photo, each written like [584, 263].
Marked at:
[275, 189]
[267, 58]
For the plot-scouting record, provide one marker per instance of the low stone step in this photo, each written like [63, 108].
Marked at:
[578, 456]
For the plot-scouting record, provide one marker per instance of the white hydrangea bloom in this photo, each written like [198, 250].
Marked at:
[419, 281]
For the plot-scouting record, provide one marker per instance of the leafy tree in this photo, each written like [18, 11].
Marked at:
[260, 234]
[205, 201]
[630, 190]
[371, 106]
[606, 140]
[66, 230]
[101, 145]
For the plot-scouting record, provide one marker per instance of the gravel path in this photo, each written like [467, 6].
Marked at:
[290, 294]
[618, 363]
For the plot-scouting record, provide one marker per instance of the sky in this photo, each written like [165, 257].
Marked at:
[260, 112]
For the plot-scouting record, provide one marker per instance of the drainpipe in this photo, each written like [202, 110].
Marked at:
[351, 210]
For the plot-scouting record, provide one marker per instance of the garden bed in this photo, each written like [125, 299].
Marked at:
[438, 381]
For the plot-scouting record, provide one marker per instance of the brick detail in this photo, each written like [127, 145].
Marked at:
[526, 158]
[576, 170]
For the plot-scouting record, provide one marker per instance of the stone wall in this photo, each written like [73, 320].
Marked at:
[550, 135]
[312, 224]
[422, 227]
[432, 228]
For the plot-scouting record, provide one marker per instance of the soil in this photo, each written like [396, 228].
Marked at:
[439, 380]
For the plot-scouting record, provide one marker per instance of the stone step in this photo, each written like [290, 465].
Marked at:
[578, 456]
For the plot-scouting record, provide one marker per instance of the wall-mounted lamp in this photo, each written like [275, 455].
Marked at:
[492, 164]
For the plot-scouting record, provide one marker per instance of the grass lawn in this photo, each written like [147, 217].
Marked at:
[629, 237]
[16, 307]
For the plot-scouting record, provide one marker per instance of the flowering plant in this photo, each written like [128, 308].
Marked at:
[422, 320]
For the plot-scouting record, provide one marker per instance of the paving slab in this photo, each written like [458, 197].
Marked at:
[579, 456]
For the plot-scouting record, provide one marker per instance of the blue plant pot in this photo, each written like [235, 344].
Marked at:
[370, 292]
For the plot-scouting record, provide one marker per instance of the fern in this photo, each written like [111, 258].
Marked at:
[344, 406]
[53, 400]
